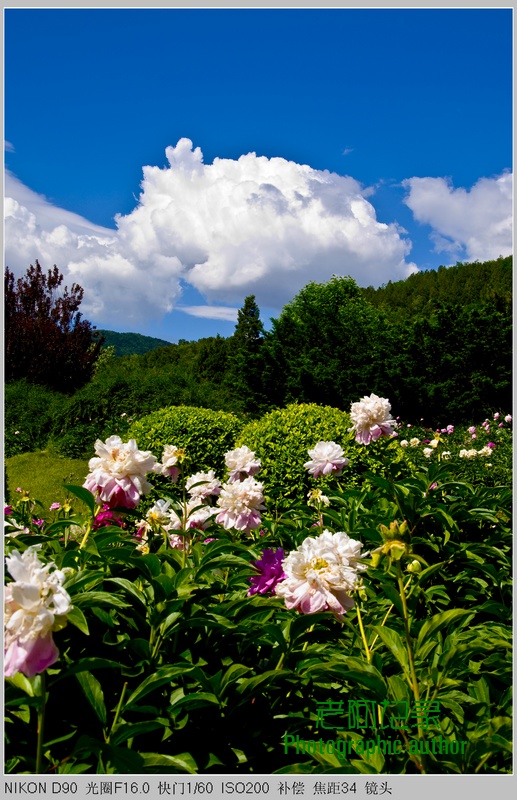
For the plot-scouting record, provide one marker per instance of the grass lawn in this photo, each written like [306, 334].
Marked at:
[43, 473]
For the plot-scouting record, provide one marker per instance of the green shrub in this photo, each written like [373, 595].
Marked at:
[205, 435]
[281, 439]
[29, 410]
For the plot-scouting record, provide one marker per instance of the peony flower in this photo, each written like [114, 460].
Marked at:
[177, 542]
[35, 605]
[414, 442]
[54, 506]
[472, 429]
[468, 453]
[171, 456]
[241, 504]
[491, 445]
[241, 463]
[117, 475]
[8, 510]
[327, 459]
[450, 429]
[446, 454]
[321, 574]
[427, 451]
[497, 415]
[404, 443]
[508, 418]
[434, 442]
[316, 498]
[203, 484]
[485, 451]
[371, 419]
[270, 570]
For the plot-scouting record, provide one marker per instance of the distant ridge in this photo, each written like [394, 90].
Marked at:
[128, 344]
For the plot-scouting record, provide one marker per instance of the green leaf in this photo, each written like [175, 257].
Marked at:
[130, 589]
[89, 599]
[161, 676]
[129, 731]
[84, 495]
[365, 674]
[431, 626]
[77, 618]
[395, 645]
[182, 762]
[93, 693]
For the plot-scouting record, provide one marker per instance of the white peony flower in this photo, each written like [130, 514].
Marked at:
[117, 474]
[404, 443]
[241, 462]
[241, 503]
[171, 456]
[203, 484]
[35, 605]
[414, 442]
[371, 419]
[327, 459]
[428, 452]
[321, 574]
[468, 454]
[434, 443]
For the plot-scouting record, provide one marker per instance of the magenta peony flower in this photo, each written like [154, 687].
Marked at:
[106, 517]
[8, 510]
[270, 572]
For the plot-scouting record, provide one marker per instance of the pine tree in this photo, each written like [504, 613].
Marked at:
[246, 356]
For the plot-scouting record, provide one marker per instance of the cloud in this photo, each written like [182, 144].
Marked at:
[477, 221]
[211, 312]
[232, 228]
[8, 147]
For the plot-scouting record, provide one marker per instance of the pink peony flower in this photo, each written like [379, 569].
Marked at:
[241, 464]
[35, 605]
[508, 418]
[371, 419]
[117, 475]
[327, 459]
[55, 506]
[472, 429]
[203, 484]
[241, 503]
[321, 574]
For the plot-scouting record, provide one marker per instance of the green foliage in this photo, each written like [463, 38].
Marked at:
[205, 435]
[329, 346]
[29, 412]
[165, 658]
[464, 285]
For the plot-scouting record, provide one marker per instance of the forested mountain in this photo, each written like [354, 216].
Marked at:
[464, 284]
[127, 344]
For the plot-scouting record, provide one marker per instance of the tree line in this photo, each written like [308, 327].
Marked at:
[438, 345]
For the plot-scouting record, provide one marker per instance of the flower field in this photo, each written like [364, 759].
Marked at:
[348, 615]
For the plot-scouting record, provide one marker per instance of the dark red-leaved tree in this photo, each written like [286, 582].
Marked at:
[46, 340]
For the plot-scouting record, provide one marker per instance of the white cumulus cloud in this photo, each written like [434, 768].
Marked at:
[235, 227]
[478, 220]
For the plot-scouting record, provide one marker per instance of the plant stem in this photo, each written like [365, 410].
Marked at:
[363, 635]
[414, 680]
[117, 712]
[41, 723]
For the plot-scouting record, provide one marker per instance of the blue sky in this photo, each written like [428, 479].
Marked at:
[301, 143]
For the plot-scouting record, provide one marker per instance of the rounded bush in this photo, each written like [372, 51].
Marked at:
[281, 440]
[205, 435]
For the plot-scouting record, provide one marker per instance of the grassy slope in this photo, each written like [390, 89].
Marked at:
[43, 474]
